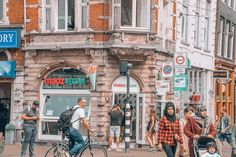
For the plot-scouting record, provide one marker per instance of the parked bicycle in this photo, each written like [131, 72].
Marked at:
[61, 149]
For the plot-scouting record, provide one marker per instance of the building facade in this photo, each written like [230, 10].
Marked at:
[195, 36]
[73, 49]
[11, 60]
[225, 57]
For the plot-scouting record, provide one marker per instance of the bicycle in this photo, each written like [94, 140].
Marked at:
[61, 149]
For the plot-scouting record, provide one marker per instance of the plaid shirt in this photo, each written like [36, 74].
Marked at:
[166, 131]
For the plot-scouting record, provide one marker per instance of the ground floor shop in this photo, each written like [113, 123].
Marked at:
[59, 79]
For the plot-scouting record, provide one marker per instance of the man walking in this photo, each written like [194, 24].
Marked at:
[225, 131]
[116, 116]
[30, 116]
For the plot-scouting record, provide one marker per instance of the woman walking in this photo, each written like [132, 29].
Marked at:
[197, 126]
[169, 132]
[151, 129]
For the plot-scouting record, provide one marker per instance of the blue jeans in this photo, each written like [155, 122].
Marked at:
[169, 150]
[76, 141]
[222, 137]
[29, 138]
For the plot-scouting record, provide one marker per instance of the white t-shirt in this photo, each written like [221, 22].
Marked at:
[79, 113]
[210, 155]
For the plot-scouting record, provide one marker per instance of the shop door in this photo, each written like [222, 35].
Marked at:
[137, 115]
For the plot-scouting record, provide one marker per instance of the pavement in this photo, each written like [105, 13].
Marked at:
[14, 151]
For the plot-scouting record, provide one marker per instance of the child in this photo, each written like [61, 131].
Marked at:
[211, 150]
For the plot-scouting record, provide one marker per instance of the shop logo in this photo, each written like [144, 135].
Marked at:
[64, 81]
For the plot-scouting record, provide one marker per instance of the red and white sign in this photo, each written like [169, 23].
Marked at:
[180, 59]
[162, 87]
[167, 69]
[120, 85]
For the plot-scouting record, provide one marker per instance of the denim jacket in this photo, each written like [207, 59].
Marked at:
[226, 121]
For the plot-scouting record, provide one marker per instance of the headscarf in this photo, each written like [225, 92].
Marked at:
[171, 118]
[203, 122]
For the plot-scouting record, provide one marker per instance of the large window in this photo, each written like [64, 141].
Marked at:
[219, 53]
[195, 78]
[184, 30]
[206, 28]
[197, 19]
[226, 38]
[135, 13]
[64, 15]
[231, 42]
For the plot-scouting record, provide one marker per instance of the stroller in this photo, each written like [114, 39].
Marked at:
[200, 145]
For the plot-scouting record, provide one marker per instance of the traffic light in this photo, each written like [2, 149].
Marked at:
[123, 68]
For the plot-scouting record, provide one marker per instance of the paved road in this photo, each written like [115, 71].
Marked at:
[14, 151]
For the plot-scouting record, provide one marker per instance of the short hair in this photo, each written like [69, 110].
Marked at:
[80, 99]
[187, 109]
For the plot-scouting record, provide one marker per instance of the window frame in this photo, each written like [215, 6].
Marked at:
[133, 26]
[54, 16]
[220, 37]
[226, 34]
[207, 25]
[184, 27]
[197, 24]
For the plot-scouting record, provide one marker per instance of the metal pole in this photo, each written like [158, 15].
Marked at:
[127, 117]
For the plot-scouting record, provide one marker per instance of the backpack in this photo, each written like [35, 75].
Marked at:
[64, 121]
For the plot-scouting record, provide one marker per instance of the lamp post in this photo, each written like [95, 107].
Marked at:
[124, 71]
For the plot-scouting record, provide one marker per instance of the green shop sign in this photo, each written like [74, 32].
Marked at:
[66, 79]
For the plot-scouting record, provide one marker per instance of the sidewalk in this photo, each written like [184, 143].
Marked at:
[14, 151]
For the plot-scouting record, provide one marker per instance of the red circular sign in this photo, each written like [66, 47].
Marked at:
[180, 60]
[167, 69]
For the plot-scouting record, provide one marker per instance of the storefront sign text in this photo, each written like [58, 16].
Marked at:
[9, 38]
[63, 81]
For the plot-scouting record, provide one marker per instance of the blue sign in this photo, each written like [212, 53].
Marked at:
[9, 38]
[7, 69]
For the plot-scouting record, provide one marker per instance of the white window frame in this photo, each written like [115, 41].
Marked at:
[43, 94]
[4, 19]
[197, 23]
[220, 38]
[207, 25]
[54, 16]
[133, 27]
[231, 40]
[184, 24]
[196, 80]
[226, 38]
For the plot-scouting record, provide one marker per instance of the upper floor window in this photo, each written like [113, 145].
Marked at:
[207, 25]
[184, 30]
[135, 13]
[220, 38]
[231, 42]
[197, 23]
[64, 15]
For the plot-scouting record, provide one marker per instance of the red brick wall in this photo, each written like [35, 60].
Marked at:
[18, 56]
[16, 11]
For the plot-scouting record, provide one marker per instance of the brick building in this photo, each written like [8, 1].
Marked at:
[71, 43]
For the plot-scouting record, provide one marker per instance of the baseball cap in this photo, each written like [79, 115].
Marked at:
[36, 103]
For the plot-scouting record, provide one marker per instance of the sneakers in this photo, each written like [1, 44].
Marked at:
[152, 149]
[109, 149]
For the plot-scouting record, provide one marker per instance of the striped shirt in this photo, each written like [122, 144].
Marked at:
[167, 130]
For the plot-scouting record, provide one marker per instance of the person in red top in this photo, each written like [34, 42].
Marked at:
[198, 125]
[169, 132]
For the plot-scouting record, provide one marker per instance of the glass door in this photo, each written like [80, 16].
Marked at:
[140, 121]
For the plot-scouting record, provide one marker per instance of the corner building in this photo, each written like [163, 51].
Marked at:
[68, 40]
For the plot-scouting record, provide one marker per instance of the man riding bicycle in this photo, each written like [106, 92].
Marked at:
[76, 139]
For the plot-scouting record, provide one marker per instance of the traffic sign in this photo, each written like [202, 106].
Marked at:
[167, 69]
[180, 59]
[180, 83]
[180, 71]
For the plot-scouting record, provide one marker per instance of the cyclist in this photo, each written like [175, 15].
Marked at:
[76, 139]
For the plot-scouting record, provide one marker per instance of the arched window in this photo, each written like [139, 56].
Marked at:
[3, 56]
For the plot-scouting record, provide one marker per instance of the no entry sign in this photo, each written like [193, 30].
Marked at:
[180, 60]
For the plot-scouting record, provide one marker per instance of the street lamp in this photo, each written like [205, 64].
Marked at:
[124, 71]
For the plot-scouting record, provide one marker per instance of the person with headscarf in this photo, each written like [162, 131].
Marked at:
[169, 132]
[198, 125]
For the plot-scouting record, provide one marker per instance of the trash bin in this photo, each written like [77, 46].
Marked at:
[9, 133]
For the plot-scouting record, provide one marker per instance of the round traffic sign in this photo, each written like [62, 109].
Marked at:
[167, 69]
[180, 60]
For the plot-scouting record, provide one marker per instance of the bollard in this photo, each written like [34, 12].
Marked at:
[127, 127]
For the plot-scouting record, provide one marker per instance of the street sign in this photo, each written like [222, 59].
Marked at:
[167, 69]
[180, 71]
[223, 74]
[180, 83]
[180, 59]
[162, 86]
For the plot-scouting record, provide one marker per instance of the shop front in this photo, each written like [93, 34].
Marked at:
[60, 90]
[137, 102]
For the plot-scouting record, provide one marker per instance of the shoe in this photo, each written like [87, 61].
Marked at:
[152, 149]
[109, 149]
[119, 150]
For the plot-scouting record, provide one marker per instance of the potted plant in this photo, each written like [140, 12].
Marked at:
[9, 133]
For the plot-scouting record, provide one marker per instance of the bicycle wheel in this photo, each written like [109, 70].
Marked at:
[57, 151]
[96, 151]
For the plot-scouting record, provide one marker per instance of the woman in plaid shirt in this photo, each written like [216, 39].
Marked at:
[169, 132]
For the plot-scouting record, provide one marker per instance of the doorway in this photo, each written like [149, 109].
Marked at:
[5, 105]
[137, 108]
